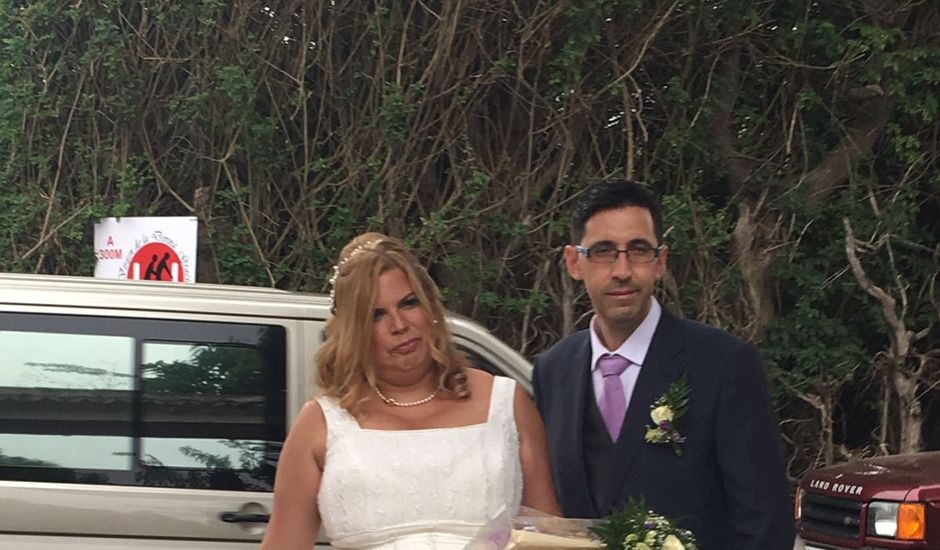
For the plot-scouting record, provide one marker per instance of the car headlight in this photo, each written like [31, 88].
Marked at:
[900, 520]
[883, 519]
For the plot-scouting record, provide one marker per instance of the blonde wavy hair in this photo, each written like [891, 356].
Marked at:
[344, 366]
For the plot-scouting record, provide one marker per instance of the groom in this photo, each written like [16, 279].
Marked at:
[715, 466]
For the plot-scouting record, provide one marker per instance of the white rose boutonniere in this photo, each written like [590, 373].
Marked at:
[661, 414]
[666, 413]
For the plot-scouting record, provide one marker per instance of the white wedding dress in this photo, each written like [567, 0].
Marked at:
[424, 489]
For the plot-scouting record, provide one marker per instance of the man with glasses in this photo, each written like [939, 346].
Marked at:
[646, 405]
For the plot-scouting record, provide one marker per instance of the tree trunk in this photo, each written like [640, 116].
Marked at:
[903, 377]
[910, 413]
[567, 301]
[825, 420]
[753, 260]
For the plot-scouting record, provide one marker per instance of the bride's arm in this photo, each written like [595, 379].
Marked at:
[295, 519]
[538, 489]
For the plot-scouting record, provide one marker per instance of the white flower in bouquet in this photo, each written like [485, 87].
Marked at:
[671, 542]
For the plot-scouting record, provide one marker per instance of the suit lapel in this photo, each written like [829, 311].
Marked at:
[660, 369]
[581, 390]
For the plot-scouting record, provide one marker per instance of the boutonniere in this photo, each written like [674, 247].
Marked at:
[666, 413]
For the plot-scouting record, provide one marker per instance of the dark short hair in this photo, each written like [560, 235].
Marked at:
[609, 195]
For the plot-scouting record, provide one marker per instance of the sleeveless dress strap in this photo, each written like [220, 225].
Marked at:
[502, 401]
[338, 419]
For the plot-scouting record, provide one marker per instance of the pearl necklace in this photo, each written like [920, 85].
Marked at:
[397, 403]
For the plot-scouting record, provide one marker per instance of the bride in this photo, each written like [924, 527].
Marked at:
[409, 447]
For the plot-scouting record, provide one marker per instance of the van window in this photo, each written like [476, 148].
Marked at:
[141, 402]
[51, 385]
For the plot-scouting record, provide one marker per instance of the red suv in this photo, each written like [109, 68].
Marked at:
[885, 502]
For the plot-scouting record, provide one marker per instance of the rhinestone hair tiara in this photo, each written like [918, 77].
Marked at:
[368, 245]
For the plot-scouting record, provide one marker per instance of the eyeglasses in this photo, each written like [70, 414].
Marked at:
[606, 253]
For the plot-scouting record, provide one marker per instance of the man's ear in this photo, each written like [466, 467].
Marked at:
[661, 262]
[571, 262]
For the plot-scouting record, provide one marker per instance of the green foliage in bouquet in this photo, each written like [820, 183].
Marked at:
[636, 528]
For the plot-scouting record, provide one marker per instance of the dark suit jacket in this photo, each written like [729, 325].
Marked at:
[729, 486]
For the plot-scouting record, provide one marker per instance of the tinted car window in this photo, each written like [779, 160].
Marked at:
[66, 403]
[141, 402]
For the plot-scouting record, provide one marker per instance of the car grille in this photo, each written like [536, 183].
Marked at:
[835, 517]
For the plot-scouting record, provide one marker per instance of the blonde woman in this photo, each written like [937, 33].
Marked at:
[408, 447]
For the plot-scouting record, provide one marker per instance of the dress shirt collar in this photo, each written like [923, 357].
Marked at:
[636, 345]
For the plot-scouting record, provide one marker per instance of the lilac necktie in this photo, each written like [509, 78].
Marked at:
[612, 404]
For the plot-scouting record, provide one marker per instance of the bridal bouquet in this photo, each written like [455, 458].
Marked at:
[636, 528]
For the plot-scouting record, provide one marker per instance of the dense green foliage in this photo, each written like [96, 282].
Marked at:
[783, 136]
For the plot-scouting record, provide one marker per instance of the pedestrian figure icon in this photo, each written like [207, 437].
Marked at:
[162, 264]
[155, 270]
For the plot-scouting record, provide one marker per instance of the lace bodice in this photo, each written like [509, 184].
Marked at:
[418, 489]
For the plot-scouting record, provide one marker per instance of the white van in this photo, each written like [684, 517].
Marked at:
[138, 415]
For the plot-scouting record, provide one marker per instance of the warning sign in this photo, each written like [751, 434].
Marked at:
[153, 249]
[162, 263]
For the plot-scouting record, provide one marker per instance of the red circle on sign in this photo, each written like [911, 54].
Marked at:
[156, 262]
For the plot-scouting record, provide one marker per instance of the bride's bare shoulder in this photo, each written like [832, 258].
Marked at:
[480, 381]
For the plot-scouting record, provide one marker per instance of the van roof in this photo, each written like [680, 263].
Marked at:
[65, 290]
[88, 292]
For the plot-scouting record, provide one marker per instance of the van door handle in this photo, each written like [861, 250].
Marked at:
[243, 517]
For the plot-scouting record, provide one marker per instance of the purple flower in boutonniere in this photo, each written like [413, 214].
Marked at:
[666, 412]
